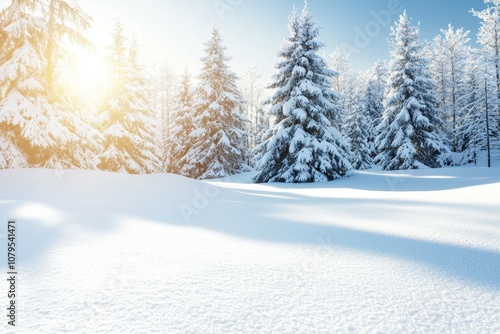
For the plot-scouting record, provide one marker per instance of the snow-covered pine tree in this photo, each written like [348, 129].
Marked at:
[112, 114]
[374, 102]
[64, 20]
[449, 55]
[284, 72]
[218, 141]
[409, 137]
[262, 128]
[29, 128]
[141, 118]
[79, 142]
[181, 125]
[127, 120]
[358, 130]
[304, 145]
[166, 101]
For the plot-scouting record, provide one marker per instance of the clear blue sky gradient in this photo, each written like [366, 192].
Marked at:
[253, 30]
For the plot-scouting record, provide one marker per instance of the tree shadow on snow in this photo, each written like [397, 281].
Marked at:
[236, 213]
[269, 213]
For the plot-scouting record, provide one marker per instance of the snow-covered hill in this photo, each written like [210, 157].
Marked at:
[391, 252]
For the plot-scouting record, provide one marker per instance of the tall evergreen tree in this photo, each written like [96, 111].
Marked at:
[167, 86]
[358, 130]
[127, 119]
[181, 125]
[303, 144]
[409, 137]
[218, 141]
[65, 21]
[27, 119]
[281, 79]
[41, 125]
[374, 102]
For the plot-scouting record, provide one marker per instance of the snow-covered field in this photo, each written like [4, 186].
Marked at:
[379, 252]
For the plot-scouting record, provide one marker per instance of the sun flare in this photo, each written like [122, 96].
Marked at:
[90, 75]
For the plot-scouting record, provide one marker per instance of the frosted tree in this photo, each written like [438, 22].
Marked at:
[141, 119]
[341, 63]
[449, 56]
[65, 21]
[342, 80]
[20, 67]
[181, 125]
[374, 102]
[167, 84]
[409, 137]
[438, 70]
[358, 129]
[471, 137]
[26, 116]
[218, 141]
[127, 119]
[489, 37]
[281, 78]
[42, 128]
[112, 116]
[252, 91]
[303, 144]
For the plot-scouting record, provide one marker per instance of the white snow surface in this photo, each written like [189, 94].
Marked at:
[378, 252]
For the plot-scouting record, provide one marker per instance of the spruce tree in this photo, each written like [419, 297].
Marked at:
[181, 125]
[29, 128]
[65, 21]
[409, 137]
[281, 78]
[42, 127]
[374, 103]
[303, 145]
[127, 120]
[358, 130]
[166, 91]
[218, 141]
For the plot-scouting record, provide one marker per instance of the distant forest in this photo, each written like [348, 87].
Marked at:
[430, 105]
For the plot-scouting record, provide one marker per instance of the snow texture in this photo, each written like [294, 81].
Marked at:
[393, 252]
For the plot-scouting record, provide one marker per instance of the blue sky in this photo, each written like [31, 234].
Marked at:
[253, 30]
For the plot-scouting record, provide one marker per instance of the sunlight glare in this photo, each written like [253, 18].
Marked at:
[91, 75]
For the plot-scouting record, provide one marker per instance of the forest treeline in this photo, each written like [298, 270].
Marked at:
[430, 105]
